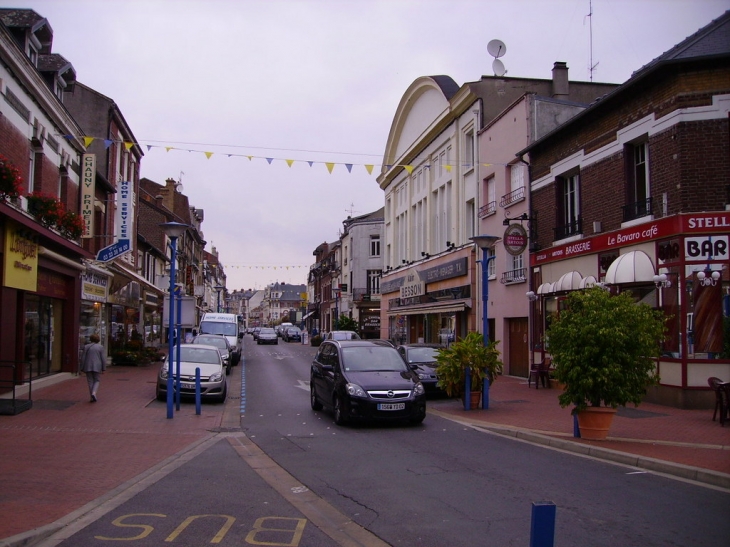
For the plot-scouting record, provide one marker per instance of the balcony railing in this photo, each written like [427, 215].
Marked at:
[514, 276]
[638, 209]
[513, 197]
[567, 230]
[488, 209]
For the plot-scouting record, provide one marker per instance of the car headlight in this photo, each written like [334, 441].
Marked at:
[423, 376]
[354, 390]
[163, 373]
[217, 377]
[418, 389]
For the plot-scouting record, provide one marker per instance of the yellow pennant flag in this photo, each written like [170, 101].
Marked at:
[208, 154]
[289, 162]
[448, 168]
[369, 169]
[249, 158]
[408, 168]
[330, 166]
[88, 141]
[128, 145]
[168, 148]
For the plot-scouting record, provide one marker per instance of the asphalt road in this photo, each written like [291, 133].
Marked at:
[297, 479]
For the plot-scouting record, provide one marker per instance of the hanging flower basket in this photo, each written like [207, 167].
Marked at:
[71, 225]
[11, 183]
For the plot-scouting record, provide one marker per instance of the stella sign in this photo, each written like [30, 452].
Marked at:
[515, 239]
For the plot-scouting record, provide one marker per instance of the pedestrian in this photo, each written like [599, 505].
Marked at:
[93, 363]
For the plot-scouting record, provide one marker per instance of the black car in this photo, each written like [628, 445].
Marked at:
[364, 379]
[423, 356]
[292, 333]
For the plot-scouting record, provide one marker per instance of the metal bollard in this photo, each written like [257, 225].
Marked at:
[197, 391]
[576, 427]
[542, 527]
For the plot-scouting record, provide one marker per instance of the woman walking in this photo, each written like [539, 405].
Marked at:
[93, 363]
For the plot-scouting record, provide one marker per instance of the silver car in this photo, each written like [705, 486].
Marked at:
[208, 359]
[267, 336]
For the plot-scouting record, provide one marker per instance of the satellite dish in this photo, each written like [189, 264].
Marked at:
[179, 188]
[496, 48]
[498, 68]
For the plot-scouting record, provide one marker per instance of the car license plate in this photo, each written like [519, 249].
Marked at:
[187, 386]
[391, 406]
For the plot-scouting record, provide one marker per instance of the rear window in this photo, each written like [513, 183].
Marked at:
[212, 327]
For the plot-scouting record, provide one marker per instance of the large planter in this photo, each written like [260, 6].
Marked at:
[475, 398]
[594, 422]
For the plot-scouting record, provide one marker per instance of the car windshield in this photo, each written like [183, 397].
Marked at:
[422, 355]
[211, 327]
[200, 355]
[267, 331]
[211, 341]
[293, 329]
[344, 336]
[371, 358]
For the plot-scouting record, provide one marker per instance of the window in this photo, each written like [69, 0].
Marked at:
[517, 176]
[470, 218]
[375, 245]
[469, 149]
[568, 200]
[492, 269]
[373, 281]
[638, 194]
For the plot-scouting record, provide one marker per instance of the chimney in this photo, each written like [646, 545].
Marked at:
[561, 85]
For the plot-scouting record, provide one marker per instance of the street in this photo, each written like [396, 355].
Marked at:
[296, 478]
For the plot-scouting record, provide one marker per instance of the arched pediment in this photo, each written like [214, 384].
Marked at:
[425, 101]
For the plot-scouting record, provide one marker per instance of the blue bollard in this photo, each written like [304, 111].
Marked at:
[542, 527]
[197, 391]
[576, 427]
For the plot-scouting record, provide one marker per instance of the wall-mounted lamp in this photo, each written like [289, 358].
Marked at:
[425, 254]
[661, 281]
[531, 296]
[450, 245]
[707, 280]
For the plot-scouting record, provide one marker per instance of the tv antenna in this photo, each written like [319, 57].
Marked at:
[497, 49]
[592, 67]
[351, 210]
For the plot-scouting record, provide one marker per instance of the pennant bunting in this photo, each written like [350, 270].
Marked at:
[310, 163]
[409, 168]
[448, 168]
[107, 143]
[349, 167]
[88, 141]
[369, 168]
[168, 148]
[269, 160]
[128, 145]
[289, 162]
[208, 154]
[330, 166]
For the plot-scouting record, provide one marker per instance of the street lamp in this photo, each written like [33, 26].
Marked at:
[485, 243]
[218, 288]
[173, 230]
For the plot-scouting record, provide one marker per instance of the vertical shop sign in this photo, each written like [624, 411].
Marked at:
[123, 219]
[88, 191]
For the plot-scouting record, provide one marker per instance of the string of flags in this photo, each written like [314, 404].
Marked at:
[265, 267]
[208, 154]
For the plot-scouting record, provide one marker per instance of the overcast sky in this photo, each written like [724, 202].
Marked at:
[217, 81]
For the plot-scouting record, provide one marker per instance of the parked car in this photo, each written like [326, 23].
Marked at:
[267, 336]
[222, 343]
[292, 333]
[424, 357]
[342, 335]
[255, 333]
[363, 379]
[213, 384]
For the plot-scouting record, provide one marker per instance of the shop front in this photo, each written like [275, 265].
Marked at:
[430, 303]
[676, 264]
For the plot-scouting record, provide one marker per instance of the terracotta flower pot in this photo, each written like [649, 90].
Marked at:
[594, 422]
[475, 398]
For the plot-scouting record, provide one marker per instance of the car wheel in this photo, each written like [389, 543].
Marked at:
[316, 405]
[223, 396]
[277, 342]
[340, 418]
[228, 370]
[258, 342]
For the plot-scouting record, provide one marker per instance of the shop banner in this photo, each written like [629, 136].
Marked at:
[88, 192]
[20, 258]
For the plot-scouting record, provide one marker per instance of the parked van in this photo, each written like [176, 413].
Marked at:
[226, 324]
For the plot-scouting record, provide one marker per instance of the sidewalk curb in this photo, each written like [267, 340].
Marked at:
[704, 476]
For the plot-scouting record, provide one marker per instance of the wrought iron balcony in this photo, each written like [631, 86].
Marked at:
[488, 209]
[567, 230]
[513, 197]
[514, 276]
[638, 209]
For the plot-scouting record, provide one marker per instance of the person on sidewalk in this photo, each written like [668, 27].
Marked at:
[93, 363]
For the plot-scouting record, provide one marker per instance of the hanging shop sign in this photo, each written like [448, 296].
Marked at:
[88, 191]
[20, 258]
[515, 239]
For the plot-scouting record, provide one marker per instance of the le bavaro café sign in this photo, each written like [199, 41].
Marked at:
[714, 247]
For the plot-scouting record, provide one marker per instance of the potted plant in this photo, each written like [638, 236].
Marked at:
[468, 353]
[47, 209]
[604, 349]
[11, 183]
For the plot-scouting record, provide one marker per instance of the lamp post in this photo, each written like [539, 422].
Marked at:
[336, 324]
[485, 243]
[173, 230]
[218, 288]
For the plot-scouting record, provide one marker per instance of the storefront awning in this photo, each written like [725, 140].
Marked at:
[568, 282]
[309, 314]
[545, 288]
[631, 267]
[123, 276]
[588, 282]
[445, 307]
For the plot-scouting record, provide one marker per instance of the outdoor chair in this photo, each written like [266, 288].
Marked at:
[541, 372]
[722, 398]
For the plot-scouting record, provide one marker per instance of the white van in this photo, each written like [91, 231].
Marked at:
[226, 324]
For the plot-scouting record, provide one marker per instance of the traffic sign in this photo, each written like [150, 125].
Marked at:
[114, 250]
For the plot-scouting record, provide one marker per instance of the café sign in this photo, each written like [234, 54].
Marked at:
[515, 239]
